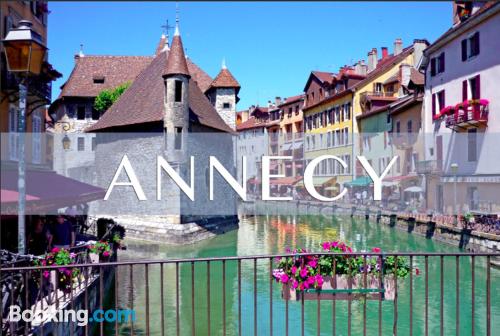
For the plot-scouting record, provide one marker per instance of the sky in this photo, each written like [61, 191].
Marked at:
[270, 47]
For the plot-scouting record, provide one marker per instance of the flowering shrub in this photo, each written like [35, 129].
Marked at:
[101, 248]
[305, 272]
[59, 257]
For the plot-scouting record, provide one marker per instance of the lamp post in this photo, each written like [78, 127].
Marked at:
[25, 53]
[454, 169]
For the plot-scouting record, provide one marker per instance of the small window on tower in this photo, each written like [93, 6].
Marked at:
[178, 91]
[178, 138]
[226, 106]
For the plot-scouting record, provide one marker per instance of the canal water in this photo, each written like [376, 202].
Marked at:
[272, 234]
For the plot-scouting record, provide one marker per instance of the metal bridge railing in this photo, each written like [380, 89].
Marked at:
[442, 294]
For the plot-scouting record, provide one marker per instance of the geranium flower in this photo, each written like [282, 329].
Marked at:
[313, 263]
[46, 274]
[105, 253]
[376, 249]
[55, 250]
[294, 270]
[284, 278]
[326, 246]
[319, 280]
[303, 272]
[295, 284]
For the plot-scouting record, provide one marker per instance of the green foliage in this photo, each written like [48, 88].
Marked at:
[106, 98]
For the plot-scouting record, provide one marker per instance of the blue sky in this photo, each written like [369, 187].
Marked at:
[269, 47]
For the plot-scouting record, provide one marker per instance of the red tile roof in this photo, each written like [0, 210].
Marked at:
[252, 122]
[325, 77]
[143, 101]
[115, 70]
[176, 62]
[417, 77]
[225, 80]
[292, 99]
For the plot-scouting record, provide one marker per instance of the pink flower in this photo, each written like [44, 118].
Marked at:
[284, 278]
[376, 249]
[335, 244]
[417, 271]
[319, 280]
[105, 253]
[295, 284]
[55, 250]
[46, 274]
[313, 263]
[287, 250]
[310, 280]
[326, 246]
[72, 255]
[303, 272]
[294, 270]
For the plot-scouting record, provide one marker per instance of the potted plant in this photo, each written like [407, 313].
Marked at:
[100, 251]
[61, 278]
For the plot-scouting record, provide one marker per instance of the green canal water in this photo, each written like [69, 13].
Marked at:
[272, 234]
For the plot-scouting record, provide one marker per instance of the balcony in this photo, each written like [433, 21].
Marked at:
[467, 115]
[428, 167]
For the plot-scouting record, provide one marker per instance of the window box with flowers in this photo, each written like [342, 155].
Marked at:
[339, 277]
[445, 112]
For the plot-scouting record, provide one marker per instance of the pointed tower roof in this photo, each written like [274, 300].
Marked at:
[162, 44]
[225, 79]
[176, 61]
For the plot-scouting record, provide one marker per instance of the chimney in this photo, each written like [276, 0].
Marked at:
[385, 53]
[360, 68]
[277, 101]
[404, 74]
[419, 45]
[372, 59]
[398, 46]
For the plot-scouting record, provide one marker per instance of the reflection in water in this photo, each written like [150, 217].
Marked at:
[272, 234]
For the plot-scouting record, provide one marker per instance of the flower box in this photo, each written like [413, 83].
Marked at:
[345, 288]
[94, 258]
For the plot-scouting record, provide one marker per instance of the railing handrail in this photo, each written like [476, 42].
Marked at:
[252, 257]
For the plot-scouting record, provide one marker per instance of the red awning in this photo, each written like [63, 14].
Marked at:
[253, 180]
[285, 180]
[45, 190]
[399, 178]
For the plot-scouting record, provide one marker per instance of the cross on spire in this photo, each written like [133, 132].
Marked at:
[167, 28]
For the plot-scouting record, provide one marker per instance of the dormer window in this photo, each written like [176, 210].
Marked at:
[99, 79]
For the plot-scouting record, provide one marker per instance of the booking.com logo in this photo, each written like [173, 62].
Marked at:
[80, 317]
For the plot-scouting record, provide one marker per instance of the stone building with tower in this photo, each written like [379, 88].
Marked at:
[175, 110]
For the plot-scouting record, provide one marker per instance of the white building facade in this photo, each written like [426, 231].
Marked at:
[461, 120]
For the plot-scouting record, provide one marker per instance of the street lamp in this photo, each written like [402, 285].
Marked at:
[66, 142]
[25, 53]
[454, 169]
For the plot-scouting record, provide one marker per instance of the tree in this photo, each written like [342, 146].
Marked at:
[106, 98]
